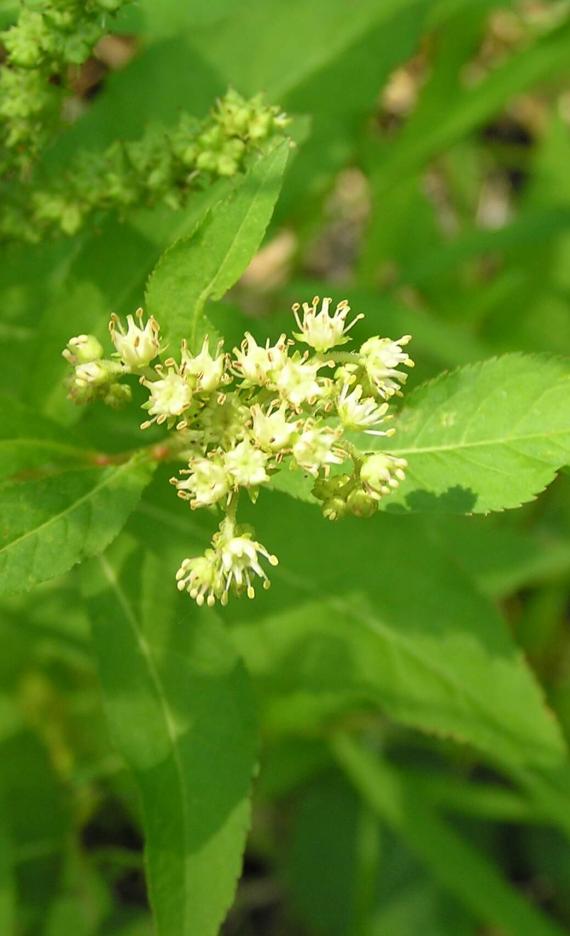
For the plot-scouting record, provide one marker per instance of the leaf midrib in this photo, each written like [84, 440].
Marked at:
[481, 443]
[71, 507]
[155, 679]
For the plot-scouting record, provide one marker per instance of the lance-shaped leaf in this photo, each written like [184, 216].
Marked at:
[206, 264]
[485, 437]
[52, 522]
[179, 707]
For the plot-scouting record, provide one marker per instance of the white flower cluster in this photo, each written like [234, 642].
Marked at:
[239, 418]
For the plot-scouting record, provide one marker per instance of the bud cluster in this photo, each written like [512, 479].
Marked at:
[160, 168]
[48, 38]
[238, 418]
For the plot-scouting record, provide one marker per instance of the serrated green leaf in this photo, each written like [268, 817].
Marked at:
[51, 523]
[181, 713]
[207, 263]
[486, 437]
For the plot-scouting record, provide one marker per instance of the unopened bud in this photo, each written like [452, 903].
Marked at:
[83, 349]
[361, 504]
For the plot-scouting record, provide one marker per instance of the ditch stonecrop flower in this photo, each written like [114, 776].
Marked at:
[161, 168]
[238, 418]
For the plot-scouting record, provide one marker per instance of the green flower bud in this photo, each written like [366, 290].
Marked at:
[361, 504]
[83, 349]
[118, 395]
[325, 488]
[335, 508]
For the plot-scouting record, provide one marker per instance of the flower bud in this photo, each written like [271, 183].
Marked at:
[118, 395]
[360, 504]
[91, 380]
[83, 350]
[325, 488]
[334, 509]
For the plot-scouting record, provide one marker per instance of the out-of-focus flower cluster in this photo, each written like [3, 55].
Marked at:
[238, 418]
[48, 38]
[160, 168]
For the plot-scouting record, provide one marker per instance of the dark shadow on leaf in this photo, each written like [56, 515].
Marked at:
[456, 500]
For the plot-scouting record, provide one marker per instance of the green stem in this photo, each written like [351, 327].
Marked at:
[231, 509]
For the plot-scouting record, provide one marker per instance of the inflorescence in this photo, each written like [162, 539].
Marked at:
[49, 38]
[161, 168]
[238, 418]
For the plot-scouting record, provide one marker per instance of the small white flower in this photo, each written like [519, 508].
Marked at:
[239, 557]
[317, 448]
[255, 364]
[170, 396]
[355, 413]
[207, 370]
[321, 330]
[296, 381]
[381, 473]
[201, 578]
[207, 482]
[246, 465]
[381, 357]
[272, 431]
[138, 345]
[83, 349]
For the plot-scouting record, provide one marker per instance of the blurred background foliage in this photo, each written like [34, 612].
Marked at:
[431, 186]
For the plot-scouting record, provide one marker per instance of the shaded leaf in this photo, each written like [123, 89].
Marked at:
[180, 711]
[374, 613]
[51, 523]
